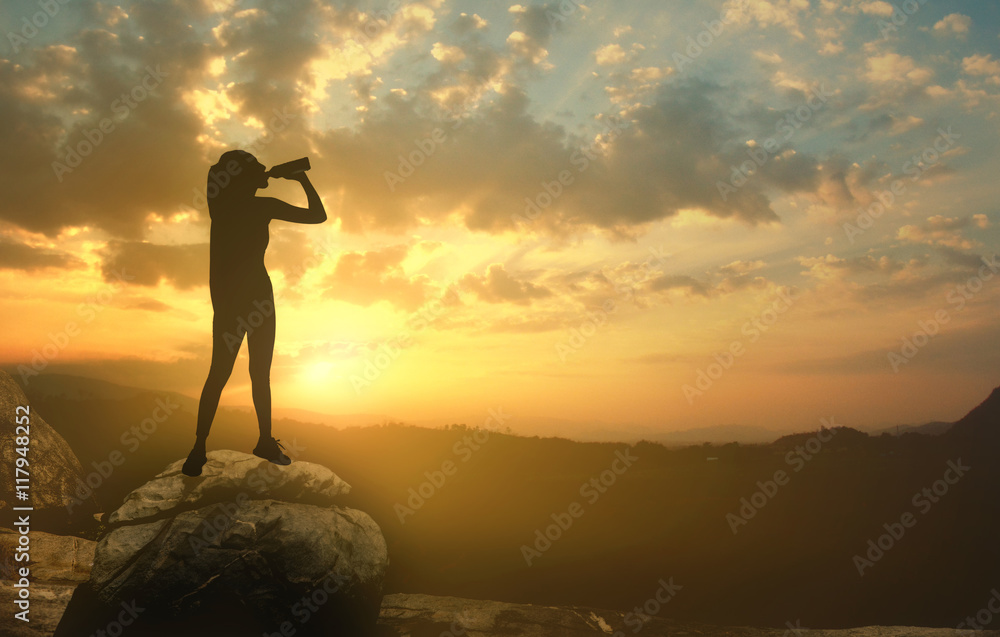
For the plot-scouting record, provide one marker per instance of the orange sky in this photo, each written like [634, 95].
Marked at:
[567, 181]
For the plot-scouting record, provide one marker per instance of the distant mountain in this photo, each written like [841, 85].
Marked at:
[983, 422]
[71, 387]
[601, 431]
[749, 546]
[928, 429]
[54, 385]
[330, 420]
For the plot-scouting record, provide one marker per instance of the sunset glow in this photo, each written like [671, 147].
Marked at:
[672, 215]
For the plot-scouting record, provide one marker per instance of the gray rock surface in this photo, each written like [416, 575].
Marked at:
[433, 616]
[58, 564]
[248, 544]
[225, 475]
[54, 558]
[55, 473]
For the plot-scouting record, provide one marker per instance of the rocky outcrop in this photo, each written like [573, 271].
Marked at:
[58, 564]
[54, 472]
[248, 547]
[443, 616]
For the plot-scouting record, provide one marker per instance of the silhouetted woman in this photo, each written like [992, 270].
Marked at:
[241, 291]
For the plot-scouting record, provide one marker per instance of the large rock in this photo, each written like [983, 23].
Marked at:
[419, 615]
[63, 559]
[58, 564]
[248, 547]
[53, 469]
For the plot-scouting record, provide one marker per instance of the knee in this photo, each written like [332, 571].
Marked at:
[218, 375]
[260, 372]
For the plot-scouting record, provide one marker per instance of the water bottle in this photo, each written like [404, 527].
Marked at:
[289, 168]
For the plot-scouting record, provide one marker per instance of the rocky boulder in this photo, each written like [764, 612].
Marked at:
[54, 471]
[58, 564]
[248, 547]
[432, 616]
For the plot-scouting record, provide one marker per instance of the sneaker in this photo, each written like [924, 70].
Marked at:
[270, 449]
[195, 461]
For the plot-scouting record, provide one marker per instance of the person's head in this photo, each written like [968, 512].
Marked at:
[237, 173]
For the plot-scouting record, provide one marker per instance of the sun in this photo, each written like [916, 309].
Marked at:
[319, 372]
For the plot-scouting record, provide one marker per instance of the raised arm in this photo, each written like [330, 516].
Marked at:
[277, 209]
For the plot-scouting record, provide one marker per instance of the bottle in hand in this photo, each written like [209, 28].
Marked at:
[289, 168]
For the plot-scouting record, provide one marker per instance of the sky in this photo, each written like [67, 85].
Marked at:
[668, 215]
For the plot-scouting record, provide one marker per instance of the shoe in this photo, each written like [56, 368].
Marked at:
[269, 450]
[195, 461]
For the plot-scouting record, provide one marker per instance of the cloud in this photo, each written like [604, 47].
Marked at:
[982, 64]
[293, 253]
[183, 266]
[768, 57]
[942, 231]
[678, 281]
[954, 23]
[367, 277]
[498, 286]
[146, 303]
[893, 68]
[742, 267]
[64, 167]
[833, 267]
[21, 256]
[447, 54]
[610, 54]
[670, 156]
[971, 349]
[766, 13]
[877, 7]
[885, 281]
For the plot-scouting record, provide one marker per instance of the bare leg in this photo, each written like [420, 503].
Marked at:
[227, 338]
[260, 343]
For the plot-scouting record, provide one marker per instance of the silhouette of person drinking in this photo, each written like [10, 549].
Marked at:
[242, 297]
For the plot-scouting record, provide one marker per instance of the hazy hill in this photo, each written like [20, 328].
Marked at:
[670, 514]
[982, 423]
[931, 429]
